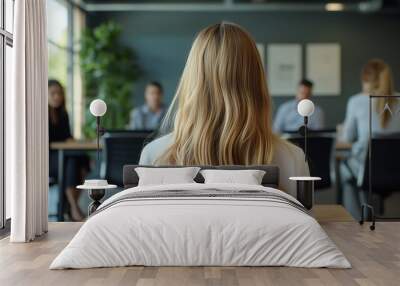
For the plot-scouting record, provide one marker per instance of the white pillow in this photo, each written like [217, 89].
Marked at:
[165, 176]
[248, 177]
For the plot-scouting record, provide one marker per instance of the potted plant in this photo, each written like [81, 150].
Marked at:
[109, 71]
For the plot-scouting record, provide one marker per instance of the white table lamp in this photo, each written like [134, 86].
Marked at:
[305, 108]
[305, 185]
[97, 187]
[98, 108]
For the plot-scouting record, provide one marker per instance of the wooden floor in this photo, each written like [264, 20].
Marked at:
[375, 257]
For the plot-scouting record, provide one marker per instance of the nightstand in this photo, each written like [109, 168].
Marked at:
[96, 190]
[305, 190]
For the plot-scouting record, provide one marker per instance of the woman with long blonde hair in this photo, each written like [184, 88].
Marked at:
[221, 111]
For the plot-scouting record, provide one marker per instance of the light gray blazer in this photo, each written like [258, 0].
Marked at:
[356, 125]
[289, 159]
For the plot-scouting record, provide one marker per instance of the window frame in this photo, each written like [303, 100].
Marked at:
[6, 39]
[74, 94]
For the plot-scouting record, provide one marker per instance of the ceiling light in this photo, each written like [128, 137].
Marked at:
[334, 7]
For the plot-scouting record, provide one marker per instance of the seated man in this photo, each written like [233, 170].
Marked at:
[287, 117]
[149, 115]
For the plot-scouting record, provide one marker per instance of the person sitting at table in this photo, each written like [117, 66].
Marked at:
[287, 117]
[377, 80]
[76, 167]
[149, 115]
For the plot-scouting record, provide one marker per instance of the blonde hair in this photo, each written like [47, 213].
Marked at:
[222, 108]
[378, 77]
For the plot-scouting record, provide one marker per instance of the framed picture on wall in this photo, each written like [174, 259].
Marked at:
[261, 51]
[323, 63]
[284, 68]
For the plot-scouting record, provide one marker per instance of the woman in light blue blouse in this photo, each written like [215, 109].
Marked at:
[376, 79]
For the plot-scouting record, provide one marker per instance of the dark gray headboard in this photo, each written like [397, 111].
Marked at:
[271, 177]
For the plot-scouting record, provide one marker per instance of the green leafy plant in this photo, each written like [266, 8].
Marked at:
[109, 70]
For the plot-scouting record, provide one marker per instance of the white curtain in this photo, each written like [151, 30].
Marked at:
[26, 123]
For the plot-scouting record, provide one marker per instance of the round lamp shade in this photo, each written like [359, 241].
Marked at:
[98, 107]
[305, 107]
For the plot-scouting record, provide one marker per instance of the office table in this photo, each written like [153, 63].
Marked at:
[74, 145]
[343, 146]
[64, 149]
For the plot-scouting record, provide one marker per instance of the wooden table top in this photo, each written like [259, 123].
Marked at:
[74, 145]
[342, 146]
[92, 145]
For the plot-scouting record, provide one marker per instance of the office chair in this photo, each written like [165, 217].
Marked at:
[311, 132]
[320, 151]
[384, 173]
[119, 149]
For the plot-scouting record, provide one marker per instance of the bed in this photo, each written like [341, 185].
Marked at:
[199, 224]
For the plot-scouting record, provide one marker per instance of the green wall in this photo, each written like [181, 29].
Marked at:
[162, 41]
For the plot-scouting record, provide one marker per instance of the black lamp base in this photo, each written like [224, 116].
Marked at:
[305, 190]
[96, 195]
[305, 193]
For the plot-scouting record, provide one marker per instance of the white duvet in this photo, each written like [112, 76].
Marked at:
[200, 231]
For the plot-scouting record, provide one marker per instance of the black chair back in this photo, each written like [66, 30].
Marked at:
[311, 132]
[320, 150]
[119, 149]
[385, 161]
